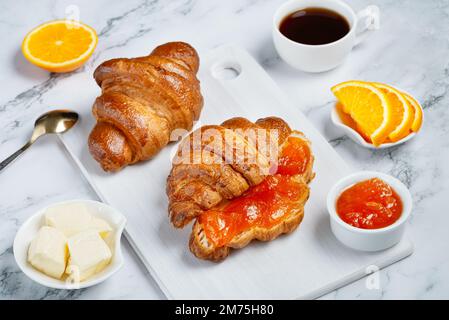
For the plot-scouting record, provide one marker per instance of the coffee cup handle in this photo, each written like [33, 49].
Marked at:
[368, 20]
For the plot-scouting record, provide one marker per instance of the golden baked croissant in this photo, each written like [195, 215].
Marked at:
[202, 176]
[229, 170]
[143, 100]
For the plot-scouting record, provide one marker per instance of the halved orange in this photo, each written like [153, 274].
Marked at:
[60, 45]
[418, 113]
[402, 112]
[368, 106]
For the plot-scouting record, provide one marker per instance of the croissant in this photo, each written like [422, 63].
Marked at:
[202, 176]
[142, 101]
[219, 168]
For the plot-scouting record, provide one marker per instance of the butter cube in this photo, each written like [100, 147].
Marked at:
[48, 252]
[101, 226]
[70, 219]
[75, 218]
[89, 254]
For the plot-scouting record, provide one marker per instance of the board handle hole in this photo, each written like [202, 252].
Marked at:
[226, 70]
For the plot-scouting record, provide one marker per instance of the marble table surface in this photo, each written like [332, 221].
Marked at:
[411, 51]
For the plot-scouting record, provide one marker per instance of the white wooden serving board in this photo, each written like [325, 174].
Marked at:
[306, 264]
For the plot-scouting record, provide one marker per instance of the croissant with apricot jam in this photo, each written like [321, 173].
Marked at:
[239, 181]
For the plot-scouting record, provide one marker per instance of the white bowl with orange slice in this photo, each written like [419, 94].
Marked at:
[60, 45]
[376, 115]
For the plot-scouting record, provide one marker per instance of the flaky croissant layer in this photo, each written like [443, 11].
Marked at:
[142, 101]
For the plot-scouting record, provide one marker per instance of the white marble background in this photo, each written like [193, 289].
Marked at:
[411, 51]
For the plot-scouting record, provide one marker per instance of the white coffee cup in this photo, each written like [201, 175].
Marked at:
[324, 57]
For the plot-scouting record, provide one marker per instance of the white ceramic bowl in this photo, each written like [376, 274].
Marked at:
[368, 239]
[356, 137]
[29, 229]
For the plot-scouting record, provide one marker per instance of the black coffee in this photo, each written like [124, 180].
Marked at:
[314, 26]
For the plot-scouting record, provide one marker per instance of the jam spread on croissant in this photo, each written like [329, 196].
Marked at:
[294, 157]
[265, 204]
[369, 204]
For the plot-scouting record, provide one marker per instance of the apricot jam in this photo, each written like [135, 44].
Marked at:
[294, 158]
[265, 204]
[369, 204]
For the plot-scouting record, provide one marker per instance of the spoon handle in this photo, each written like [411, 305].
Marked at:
[11, 158]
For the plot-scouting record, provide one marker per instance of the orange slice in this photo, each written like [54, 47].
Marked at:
[403, 113]
[368, 106]
[347, 120]
[418, 113]
[60, 45]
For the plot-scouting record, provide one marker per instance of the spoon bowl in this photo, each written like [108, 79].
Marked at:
[55, 121]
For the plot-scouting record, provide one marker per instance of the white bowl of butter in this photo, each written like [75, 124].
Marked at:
[71, 245]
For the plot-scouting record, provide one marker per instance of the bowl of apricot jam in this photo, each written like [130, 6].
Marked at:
[368, 210]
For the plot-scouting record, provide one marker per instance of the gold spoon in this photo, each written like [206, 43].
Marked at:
[56, 121]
